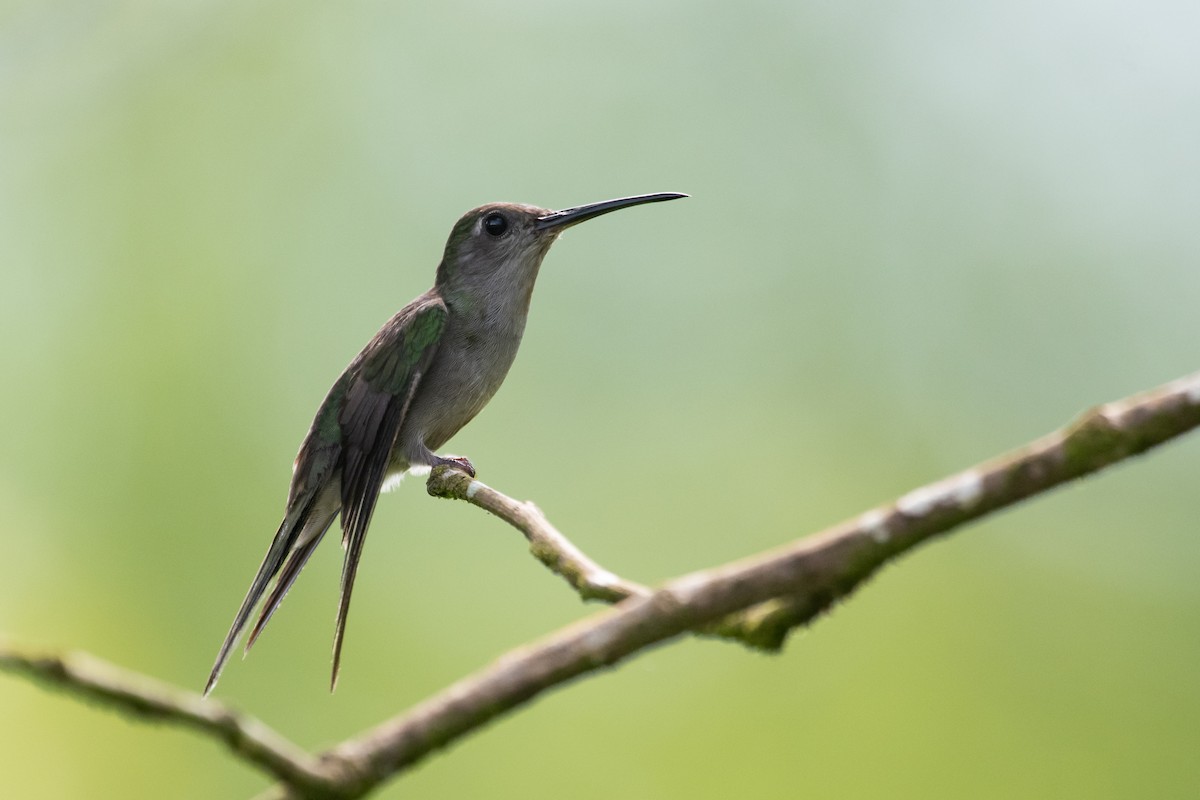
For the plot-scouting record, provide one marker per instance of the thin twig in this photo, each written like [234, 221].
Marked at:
[547, 544]
[757, 627]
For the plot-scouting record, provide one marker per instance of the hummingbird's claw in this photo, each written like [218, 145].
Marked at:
[457, 462]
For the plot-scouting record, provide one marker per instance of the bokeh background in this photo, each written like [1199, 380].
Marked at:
[920, 234]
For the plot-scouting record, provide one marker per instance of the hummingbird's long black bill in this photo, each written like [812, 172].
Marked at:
[571, 216]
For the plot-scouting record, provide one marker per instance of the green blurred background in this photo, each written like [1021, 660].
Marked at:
[920, 234]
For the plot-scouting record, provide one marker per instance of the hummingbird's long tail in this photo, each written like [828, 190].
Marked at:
[287, 576]
[298, 535]
[350, 561]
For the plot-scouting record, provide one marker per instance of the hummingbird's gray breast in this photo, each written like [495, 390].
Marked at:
[472, 360]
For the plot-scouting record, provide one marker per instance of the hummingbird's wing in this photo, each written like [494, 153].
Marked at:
[354, 430]
[374, 409]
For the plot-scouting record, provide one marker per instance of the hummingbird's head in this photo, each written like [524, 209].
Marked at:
[495, 251]
[494, 246]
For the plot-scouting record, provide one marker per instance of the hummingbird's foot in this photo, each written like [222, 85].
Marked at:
[456, 462]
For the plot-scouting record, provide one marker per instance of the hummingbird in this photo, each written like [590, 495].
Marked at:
[427, 372]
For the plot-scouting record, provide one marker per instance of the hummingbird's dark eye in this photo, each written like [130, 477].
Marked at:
[495, 224]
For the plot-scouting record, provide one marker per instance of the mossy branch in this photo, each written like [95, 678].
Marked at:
[757, 600]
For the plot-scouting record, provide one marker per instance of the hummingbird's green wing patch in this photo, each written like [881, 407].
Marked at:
[376, 401]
